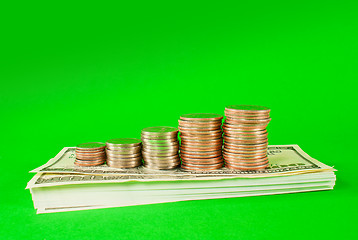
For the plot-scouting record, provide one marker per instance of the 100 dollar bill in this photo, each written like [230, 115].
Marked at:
[283, 159]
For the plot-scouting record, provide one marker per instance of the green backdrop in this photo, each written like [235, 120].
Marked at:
[80, 72]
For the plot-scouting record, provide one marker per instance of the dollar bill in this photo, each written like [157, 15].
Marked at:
[284, 160]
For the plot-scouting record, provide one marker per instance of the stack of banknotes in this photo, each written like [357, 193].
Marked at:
[60, 185]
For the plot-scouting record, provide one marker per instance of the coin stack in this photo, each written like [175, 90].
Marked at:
[160, 147]
[245, 137]
[90, 154]
[124, 152]
[201, 141]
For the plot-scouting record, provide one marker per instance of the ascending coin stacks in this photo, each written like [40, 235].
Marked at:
[160, 147]
[245, 137]
[201, 141]
[124, 152]
[90, 154]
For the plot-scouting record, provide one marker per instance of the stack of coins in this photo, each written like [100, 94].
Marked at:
[245, 137]
[201, 141]
[160, 147]
[90, 154]
[124, 152]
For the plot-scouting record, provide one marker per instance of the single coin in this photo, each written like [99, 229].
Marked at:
[89, 158]
[153, 154]
[124, 151]
[170, 141]
[159, 131]
[218, 158]
[196, 169]
[89, 164]
[191, 124]
[244, 140]
[134, 155]
[199, 129]
[161, 158]
[203, 162]
[245, 136]
[201, 117]
[201, 144]
[243, 158]
[148, 144]
[91, 146]
[247, 116]
[97, 154]
[90, 151]
[248, 108]
[247, 168]
[245, 151]
[200, 149]
[247, 121]
[123, 142]
[189, 155]
[234, 161]
[246, 155]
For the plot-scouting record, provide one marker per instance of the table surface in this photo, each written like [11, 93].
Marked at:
[73, 73]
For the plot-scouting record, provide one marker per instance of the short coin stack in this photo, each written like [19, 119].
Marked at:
[160, 147]
[245, 137]
[90, 154]
[124, 152]
[201, 141]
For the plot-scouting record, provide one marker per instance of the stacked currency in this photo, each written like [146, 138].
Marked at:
[201, 141]
[160, 147]
[90, 154]
[124, 152]
[245, 137]
[60, 186]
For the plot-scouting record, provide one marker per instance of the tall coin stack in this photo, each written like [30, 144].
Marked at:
[160, 147]
[201, 141]
[245, 137]
[90, 154]
[124, 152]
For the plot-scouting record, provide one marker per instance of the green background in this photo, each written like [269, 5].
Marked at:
[80, 72]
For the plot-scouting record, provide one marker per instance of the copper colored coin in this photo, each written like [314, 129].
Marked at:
[245, 152]
[219, 158]
[245, 116]
[91, 154]
[186, 124]
[203, 128]
[236, 157]
[201, 136]
[200, 132]
[200, 149]
[89, 164]
[210, 152]
[241, 163]
[246, 155]
[245, 127]
[247, 168]
[191, 168]
[247, 121]
[201, 144]
[206, 162]
[90, 151]
[258, 141]
[188, 155]
[91, 158]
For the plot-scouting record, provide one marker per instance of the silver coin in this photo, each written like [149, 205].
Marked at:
[129, 150]
[153, 154]
[159, 131]
[123, 142]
